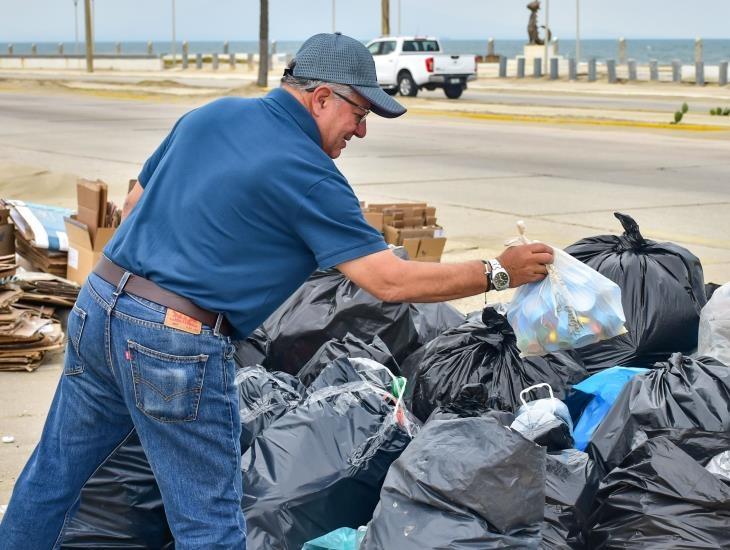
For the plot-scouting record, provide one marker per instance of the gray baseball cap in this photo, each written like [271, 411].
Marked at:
[340, 59]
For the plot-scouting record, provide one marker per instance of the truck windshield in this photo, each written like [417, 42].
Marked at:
[421, 46]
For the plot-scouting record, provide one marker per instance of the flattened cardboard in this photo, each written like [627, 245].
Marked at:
[7, 239]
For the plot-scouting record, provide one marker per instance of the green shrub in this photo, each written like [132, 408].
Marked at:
[685, 108]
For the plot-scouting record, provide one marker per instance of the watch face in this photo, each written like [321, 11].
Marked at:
[501, 280]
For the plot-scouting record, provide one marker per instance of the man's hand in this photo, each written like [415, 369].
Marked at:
[526, 263]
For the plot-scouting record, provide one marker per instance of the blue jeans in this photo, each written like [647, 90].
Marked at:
[125, 370]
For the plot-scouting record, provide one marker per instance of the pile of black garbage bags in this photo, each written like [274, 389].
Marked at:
[370, 425]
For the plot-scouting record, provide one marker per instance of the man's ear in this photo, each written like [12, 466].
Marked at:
[322, 98]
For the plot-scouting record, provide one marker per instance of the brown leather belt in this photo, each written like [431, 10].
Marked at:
[144, 288]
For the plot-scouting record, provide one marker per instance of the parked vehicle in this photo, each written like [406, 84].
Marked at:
[407, 64]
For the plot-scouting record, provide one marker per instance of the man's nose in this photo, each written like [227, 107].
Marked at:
[361, 129]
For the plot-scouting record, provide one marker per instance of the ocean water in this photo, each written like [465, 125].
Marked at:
[715, 50]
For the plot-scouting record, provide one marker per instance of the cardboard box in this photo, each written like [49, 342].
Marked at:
[427, 249]
[375, 219]
[379, 207]
[396, 235]
[84, 249]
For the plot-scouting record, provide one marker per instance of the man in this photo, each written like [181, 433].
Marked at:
[235, 209]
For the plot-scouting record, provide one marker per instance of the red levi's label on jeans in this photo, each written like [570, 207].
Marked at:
[180, 321]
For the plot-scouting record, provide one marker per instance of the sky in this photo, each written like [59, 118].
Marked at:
[130, 20]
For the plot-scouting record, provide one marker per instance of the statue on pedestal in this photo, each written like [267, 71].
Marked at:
[532, 31]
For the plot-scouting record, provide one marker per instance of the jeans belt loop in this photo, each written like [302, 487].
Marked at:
[120, 287]
[218, 321]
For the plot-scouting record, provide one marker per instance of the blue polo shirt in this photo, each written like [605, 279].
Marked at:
[240, 206]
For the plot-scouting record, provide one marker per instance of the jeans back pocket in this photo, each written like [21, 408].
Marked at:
[166, 387]
[75, 327]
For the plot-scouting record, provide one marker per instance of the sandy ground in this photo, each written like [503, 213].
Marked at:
[35, 175]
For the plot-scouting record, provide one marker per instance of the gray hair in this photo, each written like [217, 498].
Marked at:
[308, 84]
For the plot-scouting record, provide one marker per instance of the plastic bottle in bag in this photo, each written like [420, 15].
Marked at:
[574, 306]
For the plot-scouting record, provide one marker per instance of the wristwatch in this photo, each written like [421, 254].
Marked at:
[499, 278]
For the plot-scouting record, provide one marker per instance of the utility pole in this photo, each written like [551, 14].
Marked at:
[334, 26]
[399, 17]
[174, 44]
[264, 44]
[76, 27]
[89, 39]
[385, 17]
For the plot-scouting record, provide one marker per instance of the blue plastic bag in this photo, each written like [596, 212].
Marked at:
[343, 538]
[604, 387]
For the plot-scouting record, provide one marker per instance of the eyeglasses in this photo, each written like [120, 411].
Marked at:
[360, 118]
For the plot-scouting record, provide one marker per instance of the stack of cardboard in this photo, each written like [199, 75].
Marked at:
[411, 225]
[25, 335]
[40, 237]
[89, 230]
[45, 291]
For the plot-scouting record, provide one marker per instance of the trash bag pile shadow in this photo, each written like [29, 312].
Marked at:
[329, 443]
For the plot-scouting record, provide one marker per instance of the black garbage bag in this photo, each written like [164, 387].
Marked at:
[120, 505]
[662, 291]
[349, 346]
[661, 497]
[463, 483]
[683, 393]
[263, 397]
[328, 306]
[484, 353]
[320, 466]
[571, 482]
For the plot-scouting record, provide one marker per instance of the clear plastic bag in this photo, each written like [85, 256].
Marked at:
[574, 306]
[714, 333]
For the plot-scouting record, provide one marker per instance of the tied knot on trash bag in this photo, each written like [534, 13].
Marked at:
[574, 306]
[632, 239]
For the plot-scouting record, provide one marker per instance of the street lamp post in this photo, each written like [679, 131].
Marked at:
[334, 26]
[88, 21]
[399, 17]
[174, 45]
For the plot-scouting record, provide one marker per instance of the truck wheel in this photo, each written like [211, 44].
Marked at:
[390, 91]
[453, 92]
[406, 85]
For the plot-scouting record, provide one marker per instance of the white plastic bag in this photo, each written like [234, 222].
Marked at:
[541, 412]
[574, 306]
[714, 333]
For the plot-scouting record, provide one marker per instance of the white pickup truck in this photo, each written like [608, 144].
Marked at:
[407, 64]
